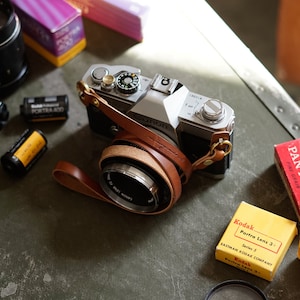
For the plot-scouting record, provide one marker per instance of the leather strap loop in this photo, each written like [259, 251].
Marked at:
[165, 164]
[89, 97]
[208, 159]
[163, 154]
[164, 168]
[75, 179]
[220, 146]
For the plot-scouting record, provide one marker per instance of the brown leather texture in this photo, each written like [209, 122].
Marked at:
[144, 146]
[90, 97]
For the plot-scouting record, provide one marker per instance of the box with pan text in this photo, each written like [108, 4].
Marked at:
[287, 161]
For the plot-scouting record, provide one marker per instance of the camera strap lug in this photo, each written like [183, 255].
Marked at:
[220, 147]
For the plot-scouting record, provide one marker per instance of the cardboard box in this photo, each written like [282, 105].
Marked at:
[287, 161]
[256, 241]
[125, 16]
[53, 28]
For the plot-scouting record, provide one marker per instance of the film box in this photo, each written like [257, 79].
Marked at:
[53, 28]
[125, 16]
[287, 161]
[256, 241]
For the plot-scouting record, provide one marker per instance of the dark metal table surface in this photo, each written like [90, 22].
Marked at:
[57, 244]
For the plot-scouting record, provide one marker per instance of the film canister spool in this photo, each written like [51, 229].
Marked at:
[235, 290]
[24, 153]
[43, 109]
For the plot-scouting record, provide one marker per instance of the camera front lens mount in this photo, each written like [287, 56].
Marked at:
[133, 179]
[130, 187]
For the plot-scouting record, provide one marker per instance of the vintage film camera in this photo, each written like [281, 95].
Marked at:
[187, 120]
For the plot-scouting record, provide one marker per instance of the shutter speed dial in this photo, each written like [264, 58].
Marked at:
[127, 83]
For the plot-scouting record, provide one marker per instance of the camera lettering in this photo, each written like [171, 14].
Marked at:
[164, 104]
[188, 123]
[295, 156]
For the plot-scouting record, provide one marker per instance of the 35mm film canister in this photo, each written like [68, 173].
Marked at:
[42, 109]
[24, 153]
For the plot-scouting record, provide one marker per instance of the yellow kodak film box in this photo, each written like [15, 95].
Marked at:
[256, 241]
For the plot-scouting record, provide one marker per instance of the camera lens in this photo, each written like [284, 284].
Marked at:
[130, 187]
[133, 179]
[13, 64]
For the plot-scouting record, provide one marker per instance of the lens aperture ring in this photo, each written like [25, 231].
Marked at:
[130, 187]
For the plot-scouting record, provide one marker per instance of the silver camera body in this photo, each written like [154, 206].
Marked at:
[164, 105]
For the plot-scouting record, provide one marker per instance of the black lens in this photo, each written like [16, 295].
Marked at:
[13, 64]
[130, 187]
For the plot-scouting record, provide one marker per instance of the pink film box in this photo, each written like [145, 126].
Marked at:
[287, 160]
[125, 16]
[53, 28]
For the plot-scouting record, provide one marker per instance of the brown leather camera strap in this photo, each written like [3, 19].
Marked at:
[89, 97]
[163, 154]
[151, 158]
[165, 164]
[77, 180]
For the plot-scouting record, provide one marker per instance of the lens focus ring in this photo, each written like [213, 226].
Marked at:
[130, 187]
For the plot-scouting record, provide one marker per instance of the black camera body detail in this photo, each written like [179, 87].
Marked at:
[164, 105]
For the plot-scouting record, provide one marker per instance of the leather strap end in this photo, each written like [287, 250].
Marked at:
[70, 176]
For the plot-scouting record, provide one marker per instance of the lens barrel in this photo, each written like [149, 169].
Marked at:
[13, 64]
[130, 187]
